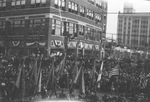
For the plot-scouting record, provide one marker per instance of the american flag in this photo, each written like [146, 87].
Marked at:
[114, 71]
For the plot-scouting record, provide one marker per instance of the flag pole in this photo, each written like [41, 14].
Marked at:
[66, 41]
[23, 80]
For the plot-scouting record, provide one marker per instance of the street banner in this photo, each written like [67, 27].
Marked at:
[77, 76]
[100, 72]
[18, 81]
[40, 81]
[92, 72]
[83, 82]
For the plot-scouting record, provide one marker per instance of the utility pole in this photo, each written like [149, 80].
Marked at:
[66, 41]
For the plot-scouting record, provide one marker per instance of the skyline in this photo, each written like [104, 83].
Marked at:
[140, 6]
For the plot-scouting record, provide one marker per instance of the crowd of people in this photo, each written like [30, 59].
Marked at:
[20, 77]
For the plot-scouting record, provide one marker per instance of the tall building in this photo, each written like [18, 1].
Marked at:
[133, 30]
[28, 26]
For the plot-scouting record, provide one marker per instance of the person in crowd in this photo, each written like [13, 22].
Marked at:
[43, 92]
[62, 95]
[54, 85]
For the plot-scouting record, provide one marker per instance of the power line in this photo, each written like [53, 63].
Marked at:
[123, 34]
[105, 12]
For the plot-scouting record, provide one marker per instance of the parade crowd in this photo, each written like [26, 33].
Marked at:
[34, 75]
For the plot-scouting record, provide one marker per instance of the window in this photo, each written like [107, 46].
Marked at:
[104, 5]
[38, 3]
[18, 4]
[82, 11]
[88, 33]
[97, 35]
[99, 3]
[56, 27]
[17, 27]
[71, 28]
[93, 35]
[60, 4]
[97, 17]
[81, 30]
[2, 28]
[37, 26]
[91, 1]
[90, 14]
[76, 8]
[73, 7]
[2, 4]
[69, 5]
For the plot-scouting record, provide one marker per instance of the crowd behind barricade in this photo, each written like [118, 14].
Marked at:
[20, 77]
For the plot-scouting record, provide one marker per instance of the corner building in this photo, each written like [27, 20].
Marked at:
[39, 26]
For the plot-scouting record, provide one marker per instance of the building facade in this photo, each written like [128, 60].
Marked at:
[28, 26]
[134, 30]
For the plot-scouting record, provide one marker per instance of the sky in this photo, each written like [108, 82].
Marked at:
[114, 6]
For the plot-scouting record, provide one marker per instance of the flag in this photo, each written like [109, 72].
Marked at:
[61, 66]
[40, 81]
[31, 66]
[75, 70]
[114, 71]
[50, 74]
[18, 81]
[83, 82]
[77, 48]
[77, 75]
[50, 77]
[92, 72]
[37, 72]
[100, 72]
[34, 70]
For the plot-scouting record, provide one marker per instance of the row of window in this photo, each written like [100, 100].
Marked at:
[2, 3]
[2, 28]
[60, 4]
[37, 26]
[99, 3]
[72, 29]
[90, 14]
[73, 8]
[17, 27]
[20, 4]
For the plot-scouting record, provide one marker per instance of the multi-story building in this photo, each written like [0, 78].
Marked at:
[27, 26]
[133, 29]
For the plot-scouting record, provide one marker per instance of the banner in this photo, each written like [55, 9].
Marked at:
[100, 72]
[57, 43]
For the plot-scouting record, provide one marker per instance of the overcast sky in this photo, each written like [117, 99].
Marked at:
[114, 6]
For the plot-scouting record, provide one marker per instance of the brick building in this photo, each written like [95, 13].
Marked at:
[28, 26]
